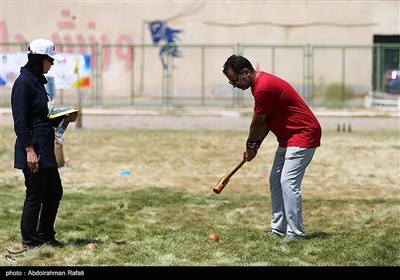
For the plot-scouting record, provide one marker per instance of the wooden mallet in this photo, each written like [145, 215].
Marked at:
[225, 179]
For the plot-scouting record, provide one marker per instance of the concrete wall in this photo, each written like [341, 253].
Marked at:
[202, 23]
[220, 22]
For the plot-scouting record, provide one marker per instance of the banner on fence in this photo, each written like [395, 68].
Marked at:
[71, 73]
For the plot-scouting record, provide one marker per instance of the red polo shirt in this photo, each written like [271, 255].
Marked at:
[288, 115]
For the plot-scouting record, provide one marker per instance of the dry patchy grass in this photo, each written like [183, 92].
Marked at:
[353, 184]
[346, 166]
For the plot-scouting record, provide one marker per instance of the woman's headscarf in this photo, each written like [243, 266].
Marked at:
[35, 66]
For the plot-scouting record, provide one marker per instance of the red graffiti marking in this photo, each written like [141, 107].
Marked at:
[125, 53]
[69, 44]
[66, 24]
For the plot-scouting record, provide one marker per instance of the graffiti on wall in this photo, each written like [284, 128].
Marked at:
[77, 42]
[166, 37]
[69, 40]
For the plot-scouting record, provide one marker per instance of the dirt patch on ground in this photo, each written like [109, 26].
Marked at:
[214, 120]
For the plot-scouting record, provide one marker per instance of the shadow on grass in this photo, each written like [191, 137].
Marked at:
[87, 242]
[324, 235]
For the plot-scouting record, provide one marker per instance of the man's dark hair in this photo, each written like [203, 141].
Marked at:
[237, 63]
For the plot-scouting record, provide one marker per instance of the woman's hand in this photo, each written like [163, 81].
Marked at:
[73, 116]
[32, 159]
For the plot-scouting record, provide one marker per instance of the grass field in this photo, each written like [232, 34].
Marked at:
[161, 214]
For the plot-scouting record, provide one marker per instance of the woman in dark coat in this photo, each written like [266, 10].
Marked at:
[34, 146]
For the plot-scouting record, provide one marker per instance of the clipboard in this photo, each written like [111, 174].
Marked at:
[62, 112]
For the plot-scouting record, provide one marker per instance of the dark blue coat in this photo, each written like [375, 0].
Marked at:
[31, 124]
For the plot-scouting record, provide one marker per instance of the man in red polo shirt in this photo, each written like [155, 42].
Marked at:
[280, 109]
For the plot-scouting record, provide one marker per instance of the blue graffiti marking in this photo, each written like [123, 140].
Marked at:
[160, 33]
